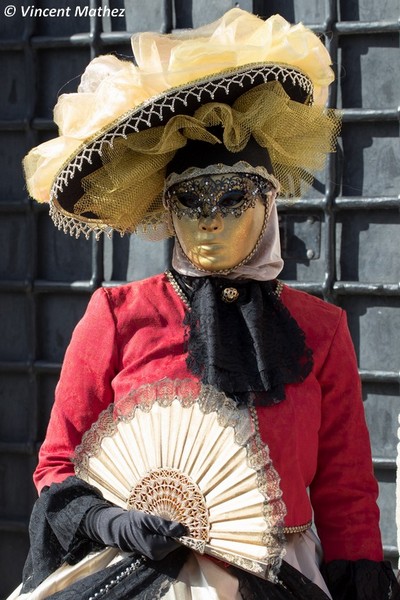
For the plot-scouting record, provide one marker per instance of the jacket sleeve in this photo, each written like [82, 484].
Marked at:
[83, 391]
[344, 490]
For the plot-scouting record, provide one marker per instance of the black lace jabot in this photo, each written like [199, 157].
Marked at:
[242, 339]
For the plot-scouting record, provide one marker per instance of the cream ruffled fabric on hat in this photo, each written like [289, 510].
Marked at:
[111, 87]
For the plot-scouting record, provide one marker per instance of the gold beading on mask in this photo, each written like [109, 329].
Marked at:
[221, 169]
[222, 189]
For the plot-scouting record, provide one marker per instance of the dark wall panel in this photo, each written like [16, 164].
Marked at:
[365, 246]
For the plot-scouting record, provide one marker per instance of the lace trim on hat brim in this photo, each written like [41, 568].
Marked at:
[157, 223]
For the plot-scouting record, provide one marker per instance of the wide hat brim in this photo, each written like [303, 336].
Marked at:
[223, 87]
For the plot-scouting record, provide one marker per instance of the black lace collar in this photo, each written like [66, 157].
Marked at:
[241, 338]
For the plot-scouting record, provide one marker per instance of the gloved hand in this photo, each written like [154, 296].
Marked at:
[132, 531]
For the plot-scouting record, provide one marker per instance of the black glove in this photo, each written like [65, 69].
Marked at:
[132, 531]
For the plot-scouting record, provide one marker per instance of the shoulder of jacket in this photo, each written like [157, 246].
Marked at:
[310, 311]
[303, 300]
[134, 289]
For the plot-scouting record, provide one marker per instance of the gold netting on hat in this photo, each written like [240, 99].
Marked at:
[126, 193]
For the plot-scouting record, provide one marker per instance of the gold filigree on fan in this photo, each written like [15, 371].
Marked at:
[173, 496]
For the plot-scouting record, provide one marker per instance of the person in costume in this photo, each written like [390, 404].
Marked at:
[197, 141]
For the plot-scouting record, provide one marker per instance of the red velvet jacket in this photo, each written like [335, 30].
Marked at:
[318, 440]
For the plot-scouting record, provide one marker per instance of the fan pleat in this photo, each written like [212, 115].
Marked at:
[251, 497]
[155, 434]
[147, 422]
[227, 511]
[235, 483]
[110, 465]
[120, 455]
[221, 466]
[143, 431]
[182, 418]
[206, 443]
[243, 529]
[133, 440]
[134, 453]
[250, 551]
[193, 440]
[101, 473]
[169, 429]
[253, 551]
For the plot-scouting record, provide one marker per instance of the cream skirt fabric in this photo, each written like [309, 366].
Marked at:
[67, 574]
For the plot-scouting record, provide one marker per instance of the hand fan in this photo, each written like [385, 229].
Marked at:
[186, 452]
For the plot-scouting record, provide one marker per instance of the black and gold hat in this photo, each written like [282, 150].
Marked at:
[240, 75]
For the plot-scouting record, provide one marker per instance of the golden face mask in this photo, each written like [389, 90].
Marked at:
[219, 219]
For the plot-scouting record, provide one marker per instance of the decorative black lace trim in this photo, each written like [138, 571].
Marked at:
[361, 580]
[292, 585]
[54, 529]
[249, 348]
